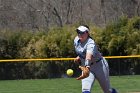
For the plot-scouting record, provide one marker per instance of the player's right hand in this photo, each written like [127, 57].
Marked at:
[77, 59]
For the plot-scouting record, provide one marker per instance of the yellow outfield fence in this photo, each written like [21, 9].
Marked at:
[63, 59]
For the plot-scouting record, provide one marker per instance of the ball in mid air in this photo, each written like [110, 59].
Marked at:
[69, 72]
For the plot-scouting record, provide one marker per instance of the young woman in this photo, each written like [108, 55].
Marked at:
[93, 65]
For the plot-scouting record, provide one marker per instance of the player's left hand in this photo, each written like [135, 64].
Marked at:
[85, 72]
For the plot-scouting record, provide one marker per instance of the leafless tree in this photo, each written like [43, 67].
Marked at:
[38, 14]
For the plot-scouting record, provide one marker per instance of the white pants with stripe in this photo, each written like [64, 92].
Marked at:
[100, 71]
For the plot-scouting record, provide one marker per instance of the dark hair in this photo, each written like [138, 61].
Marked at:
[86, 26]
[89, 29]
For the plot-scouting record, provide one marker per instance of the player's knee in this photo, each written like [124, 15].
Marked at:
[86, 92]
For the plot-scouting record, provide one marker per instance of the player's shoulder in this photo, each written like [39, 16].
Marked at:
[91, 41]
[76, 40]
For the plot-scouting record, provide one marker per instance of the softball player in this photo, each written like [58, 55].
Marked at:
[93, 65]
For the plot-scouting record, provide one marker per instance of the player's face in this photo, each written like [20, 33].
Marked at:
[82, 36]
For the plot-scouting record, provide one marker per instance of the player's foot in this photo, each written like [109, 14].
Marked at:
[114, 90]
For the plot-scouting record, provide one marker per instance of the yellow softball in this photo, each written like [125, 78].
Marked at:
[69, 72]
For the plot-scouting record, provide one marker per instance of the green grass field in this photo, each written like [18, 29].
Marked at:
[124, 84]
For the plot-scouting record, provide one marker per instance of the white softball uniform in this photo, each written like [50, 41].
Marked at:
[99, 66]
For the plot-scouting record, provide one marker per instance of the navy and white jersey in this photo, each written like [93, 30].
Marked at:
[88, 46]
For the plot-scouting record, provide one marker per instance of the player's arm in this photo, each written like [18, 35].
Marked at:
[86, 69]
[88, 59]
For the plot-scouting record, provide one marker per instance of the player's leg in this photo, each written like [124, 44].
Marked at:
[87, 83]
[101, 74]
[106, 71]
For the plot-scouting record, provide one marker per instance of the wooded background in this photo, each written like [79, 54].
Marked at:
[46, 29]
[38, 14]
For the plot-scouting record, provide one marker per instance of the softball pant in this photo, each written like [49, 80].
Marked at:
[100, 71]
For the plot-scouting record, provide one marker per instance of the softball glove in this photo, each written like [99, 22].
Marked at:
[85, 72]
